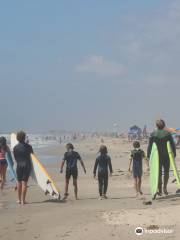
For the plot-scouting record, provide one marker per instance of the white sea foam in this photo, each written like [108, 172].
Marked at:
[38, 140]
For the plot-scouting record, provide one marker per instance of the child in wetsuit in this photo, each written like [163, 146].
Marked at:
[103, 161]
[71, 157]
[137, 156]
[22, 154]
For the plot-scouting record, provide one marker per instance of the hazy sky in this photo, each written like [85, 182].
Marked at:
[75, 64]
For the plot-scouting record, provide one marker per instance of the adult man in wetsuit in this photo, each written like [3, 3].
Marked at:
[161, 137]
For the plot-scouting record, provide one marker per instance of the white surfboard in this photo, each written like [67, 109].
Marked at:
[40, 174]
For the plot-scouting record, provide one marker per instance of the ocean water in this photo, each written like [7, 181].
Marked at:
[38, 140]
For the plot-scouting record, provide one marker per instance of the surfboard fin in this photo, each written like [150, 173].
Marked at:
[59, 197]
[154, 197]
[178, 191]
[174, 181]
[48, 181]
[46, 192]
[53, 193]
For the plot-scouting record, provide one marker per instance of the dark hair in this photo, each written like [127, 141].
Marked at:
[103, 149]
[3, 143]
[21, 136]
[160, 124]
[136, 144]
[69, 146]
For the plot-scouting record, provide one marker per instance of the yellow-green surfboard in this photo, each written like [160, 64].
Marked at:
[173, 164]
[154, 170]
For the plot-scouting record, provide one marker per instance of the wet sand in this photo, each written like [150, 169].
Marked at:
[90, 218]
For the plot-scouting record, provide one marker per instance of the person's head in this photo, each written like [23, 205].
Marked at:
[21, 136]
[136, 144]
[3, 143]
[103, 149]
[69, 147]
[160, 124]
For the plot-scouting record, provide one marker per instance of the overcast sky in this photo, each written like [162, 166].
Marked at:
[84, 65]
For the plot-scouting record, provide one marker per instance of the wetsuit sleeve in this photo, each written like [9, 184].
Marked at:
[143, 154]
[149, 147]
[110, 165]
[64, 158]
[172, 145]
[79, 157]
[96, 165]
[31, 150]
[14, 152]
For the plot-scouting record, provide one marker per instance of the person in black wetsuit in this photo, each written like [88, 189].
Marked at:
[161, 137]
[22, 154]
[71, 157]
[103, 161]
[137, 156]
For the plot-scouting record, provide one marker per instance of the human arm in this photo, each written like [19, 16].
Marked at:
[146, 160]
[110, 166]
[31, 151]
[81, 162]
[149, 147]
[173, 146]
[130, 162]
[62, 166]
[62, 163]
[14, 153]
[83, 166]
[95, 167]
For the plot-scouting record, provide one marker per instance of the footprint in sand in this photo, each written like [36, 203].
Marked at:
[36, 236]
[23, 222]
[66, 234]
[20, 230]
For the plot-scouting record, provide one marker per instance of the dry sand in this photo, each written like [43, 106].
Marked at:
[90, 218]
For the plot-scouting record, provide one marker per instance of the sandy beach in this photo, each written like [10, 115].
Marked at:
[89, 218]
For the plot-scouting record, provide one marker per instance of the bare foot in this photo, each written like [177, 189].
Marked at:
[18, 201]
[65, 196]
[165, 191]
[24, 203]
[137, 194]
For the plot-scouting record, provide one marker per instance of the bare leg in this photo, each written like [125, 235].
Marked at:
[5, 170]
[1, 180]
[160, 179]
[75, 188]
[19, 191]
[66, 187]
[139, 186]
[3, 175]
[166, 178]
[24, 191]
[136, 186]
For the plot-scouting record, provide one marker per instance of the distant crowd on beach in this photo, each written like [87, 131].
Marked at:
[103, 165]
